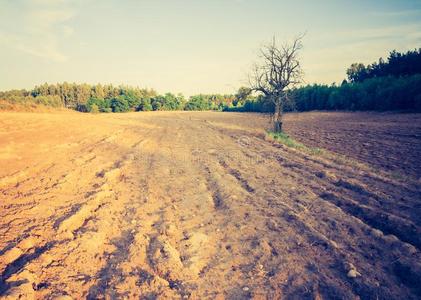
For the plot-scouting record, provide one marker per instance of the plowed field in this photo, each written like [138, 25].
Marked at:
[202, 205]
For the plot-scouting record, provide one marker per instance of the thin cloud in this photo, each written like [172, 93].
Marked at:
[401, 13]
[43, 23]
[407, 31]
[46, 49]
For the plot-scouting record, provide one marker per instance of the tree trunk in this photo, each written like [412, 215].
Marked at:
[277, 117]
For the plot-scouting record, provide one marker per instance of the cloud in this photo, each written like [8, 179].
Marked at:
[47, 48]
[408, 32]
[40, 26]
[397, 13]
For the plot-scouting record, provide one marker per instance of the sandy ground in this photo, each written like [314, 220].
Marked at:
[196, 206]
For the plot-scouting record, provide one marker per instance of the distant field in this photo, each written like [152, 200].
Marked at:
[203, 205]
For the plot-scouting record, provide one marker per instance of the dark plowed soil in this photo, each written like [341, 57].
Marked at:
[388, 141]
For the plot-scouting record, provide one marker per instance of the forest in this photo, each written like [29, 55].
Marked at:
[394, 84]
[109, 98]
[391, 84]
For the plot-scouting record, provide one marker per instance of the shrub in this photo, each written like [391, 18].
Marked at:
[145, 105]
[94, 109]
[101, 104]
[198, 102]
[157, 103]
[53, 101]
[119, 104]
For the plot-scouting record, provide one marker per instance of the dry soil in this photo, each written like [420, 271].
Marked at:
[201, 205]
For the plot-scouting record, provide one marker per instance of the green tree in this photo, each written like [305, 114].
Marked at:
[197, 102]
[145, 105]
[357, 72]
[241, 96]
[119, 104]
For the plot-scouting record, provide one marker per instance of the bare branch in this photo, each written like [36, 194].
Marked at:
[278, 71]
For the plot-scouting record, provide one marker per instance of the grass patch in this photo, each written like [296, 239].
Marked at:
[286, 140]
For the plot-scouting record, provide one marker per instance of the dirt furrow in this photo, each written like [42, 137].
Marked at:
[199, 205]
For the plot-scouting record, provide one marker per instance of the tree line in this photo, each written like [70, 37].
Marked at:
[109, 98]
[391, 84]
[394, 84]
[397, 65]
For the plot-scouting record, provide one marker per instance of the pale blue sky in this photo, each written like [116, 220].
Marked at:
[192, 46]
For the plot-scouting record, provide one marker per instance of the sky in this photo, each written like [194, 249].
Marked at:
[192, 46]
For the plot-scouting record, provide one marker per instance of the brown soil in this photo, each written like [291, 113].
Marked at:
[388, 141]
[198, 205]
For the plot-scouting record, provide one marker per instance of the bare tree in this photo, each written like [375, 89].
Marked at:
[278, 71]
